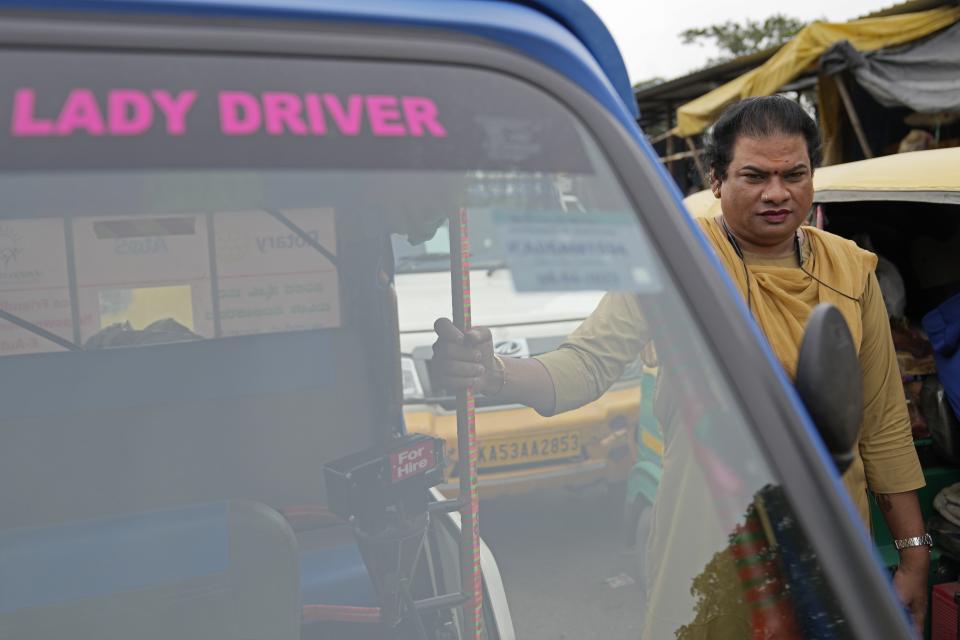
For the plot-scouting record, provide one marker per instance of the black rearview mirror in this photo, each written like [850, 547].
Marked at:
[829, 382]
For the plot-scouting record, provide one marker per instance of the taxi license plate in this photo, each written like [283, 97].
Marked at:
[512, 451]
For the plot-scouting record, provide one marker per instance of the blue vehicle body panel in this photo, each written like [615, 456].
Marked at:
[60, 564]
[564, 35]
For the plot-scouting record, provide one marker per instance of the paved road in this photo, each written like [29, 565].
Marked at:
[557, 552]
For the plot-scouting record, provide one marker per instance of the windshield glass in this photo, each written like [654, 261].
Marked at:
[484, 191]
[201, 265]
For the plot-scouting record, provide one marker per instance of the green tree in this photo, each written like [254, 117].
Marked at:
[736, 39]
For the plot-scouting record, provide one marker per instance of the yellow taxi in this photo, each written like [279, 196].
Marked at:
[519, 450]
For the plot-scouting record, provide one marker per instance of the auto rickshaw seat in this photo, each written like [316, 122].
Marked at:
[219, 571]
[249, 418]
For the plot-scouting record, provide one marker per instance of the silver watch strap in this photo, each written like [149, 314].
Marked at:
[917, 541]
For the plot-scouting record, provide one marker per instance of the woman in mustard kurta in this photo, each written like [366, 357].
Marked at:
[782, 296]
[761, 156]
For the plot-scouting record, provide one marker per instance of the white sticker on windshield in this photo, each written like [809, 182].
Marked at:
[577, 252]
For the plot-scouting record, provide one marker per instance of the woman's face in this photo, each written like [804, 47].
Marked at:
[767, 192]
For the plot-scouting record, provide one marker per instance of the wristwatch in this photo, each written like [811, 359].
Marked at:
[906, 543]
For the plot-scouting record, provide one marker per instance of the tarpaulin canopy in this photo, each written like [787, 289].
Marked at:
[924, 76]
[867, 34]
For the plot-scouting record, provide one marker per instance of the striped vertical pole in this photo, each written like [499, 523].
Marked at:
[471, 578]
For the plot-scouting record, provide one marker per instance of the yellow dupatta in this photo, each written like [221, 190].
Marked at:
[691, 541]
[781, 298]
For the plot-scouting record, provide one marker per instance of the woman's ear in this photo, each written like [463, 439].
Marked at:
[715, 184]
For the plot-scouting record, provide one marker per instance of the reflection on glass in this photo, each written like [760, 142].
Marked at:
[142, 306]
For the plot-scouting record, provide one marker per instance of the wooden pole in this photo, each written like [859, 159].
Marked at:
[680, 155]
[671, 149]
[704, 182]
[661, 137]
[852, 114]
[669, 156]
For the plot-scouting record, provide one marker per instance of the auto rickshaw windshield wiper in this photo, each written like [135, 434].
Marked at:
[493, 266]
[440, 262]
[414, 263]
[40, 331]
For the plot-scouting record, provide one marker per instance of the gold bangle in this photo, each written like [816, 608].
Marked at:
[502, 367]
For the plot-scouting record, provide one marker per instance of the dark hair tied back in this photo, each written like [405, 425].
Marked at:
[758, 118]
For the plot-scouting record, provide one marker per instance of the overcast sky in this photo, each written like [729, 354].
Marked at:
[647, 30]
